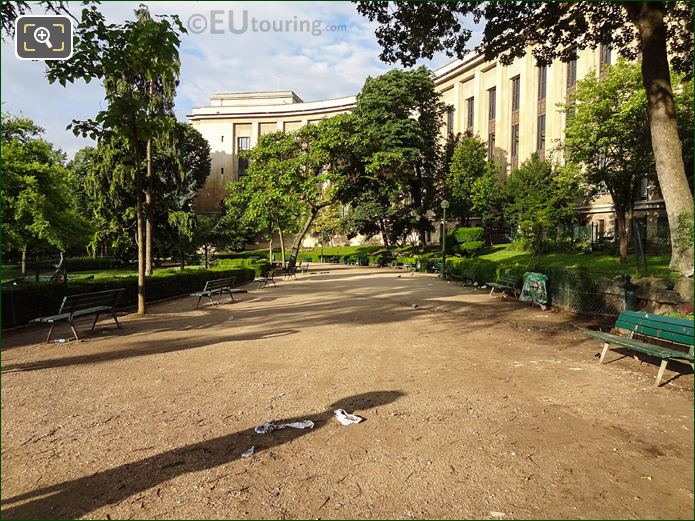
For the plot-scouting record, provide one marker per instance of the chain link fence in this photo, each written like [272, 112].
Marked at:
[585, 292]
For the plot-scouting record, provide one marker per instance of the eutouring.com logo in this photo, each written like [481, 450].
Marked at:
[239, 22]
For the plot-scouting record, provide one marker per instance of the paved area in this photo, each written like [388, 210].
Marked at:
[475, 407]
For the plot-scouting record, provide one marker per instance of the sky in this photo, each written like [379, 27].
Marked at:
[322, 50]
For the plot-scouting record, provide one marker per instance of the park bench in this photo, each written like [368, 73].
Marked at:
[84, 304]
[290, 272]
[676, 332]
[217, 287]
[304, 266]
[437, 267]
[506, 282]
[467, 275]
[264, 280]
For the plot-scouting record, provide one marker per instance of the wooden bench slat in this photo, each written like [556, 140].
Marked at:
[649, 329]
[638, 345]
[655, 324]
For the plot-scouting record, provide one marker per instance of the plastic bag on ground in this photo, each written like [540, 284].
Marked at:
[346, 419]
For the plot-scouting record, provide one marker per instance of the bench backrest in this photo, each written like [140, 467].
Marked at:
[672, 329]
[509, 279]
[109, 298]
[212, 285]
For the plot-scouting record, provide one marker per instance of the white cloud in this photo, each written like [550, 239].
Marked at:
[332, 64]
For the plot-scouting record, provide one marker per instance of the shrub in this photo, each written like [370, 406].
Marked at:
[23, 302]
[463, 234]
[260, 267]
[468, 248]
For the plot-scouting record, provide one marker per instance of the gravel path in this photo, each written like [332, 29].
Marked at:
[475, 407]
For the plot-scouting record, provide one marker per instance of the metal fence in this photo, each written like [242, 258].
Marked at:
[585, 292]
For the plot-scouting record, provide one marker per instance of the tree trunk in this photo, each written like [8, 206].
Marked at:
[24, 261]
[148, 211]
[140, 228]
[384, 237]
[282, 245]
[205, 247]
[270, 248]
[648, 17]
[621, 223]
[296, 244]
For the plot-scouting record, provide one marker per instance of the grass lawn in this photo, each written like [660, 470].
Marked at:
[595, 261]
[8, 274]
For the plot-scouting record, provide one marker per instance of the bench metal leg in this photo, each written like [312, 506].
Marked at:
[492, 291]
[50, 332]
[603, 353]
[198, 303]
[231, 295]
[660, 374]
[211, 301]
[74, 331]
[113, 314]
[95, 322]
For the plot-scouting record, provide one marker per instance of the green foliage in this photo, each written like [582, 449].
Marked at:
[408, 31]
[684, 233]
[537, 197]
[24, 302]
[463, 234]
[260, 266]
[471, 182]
[400, 115]
[38, 193]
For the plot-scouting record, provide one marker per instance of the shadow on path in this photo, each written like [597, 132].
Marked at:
[73, 499]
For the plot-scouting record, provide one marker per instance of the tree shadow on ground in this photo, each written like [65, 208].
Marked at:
[76, 498]
[341, 304]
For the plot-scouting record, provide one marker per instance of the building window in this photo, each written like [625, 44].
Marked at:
[571, 73]
[601, 227]
[515, 145]
[542, 81]
[605, 54]
[491, 146]
[540, 136]
[516, 93]
[469, 110]
[450, 121]
[222, 139]
[243, 144]
[221, 171]
[492, 109]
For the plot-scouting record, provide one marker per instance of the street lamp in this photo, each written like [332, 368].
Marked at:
[444, 205]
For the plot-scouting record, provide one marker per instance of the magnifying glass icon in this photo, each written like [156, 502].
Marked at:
[43, 35]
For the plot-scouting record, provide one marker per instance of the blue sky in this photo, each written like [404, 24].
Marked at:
[316, 66]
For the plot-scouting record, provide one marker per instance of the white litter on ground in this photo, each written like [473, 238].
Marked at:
[270, 427]
[248, 452]
[346, 419]
[484, 286]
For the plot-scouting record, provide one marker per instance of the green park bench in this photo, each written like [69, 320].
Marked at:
[467, 275]
[264, 280]
[217, 287]
[506, 282]
[676, 332]
[75, 306]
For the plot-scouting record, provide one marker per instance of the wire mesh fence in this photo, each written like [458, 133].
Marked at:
[585, 292]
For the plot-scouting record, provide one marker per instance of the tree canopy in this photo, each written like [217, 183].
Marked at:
[660, 33]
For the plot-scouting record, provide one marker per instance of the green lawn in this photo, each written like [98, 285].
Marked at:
[8, 274]
[595, 261]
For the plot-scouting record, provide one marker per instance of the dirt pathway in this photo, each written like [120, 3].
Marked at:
[475, 407]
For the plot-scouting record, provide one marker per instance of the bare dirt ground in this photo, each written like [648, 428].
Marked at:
[475, 407]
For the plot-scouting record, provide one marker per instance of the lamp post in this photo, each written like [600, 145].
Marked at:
[444, 205]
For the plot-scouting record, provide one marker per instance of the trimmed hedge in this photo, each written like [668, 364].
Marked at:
[23, 302]
[463, 234]
[260, 267]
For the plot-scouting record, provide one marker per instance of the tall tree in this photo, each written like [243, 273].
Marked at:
[652, 30]
[470, 179]
[536, 197]
[400, 115]
[608, 134]
[38, 193]
[128, 58]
